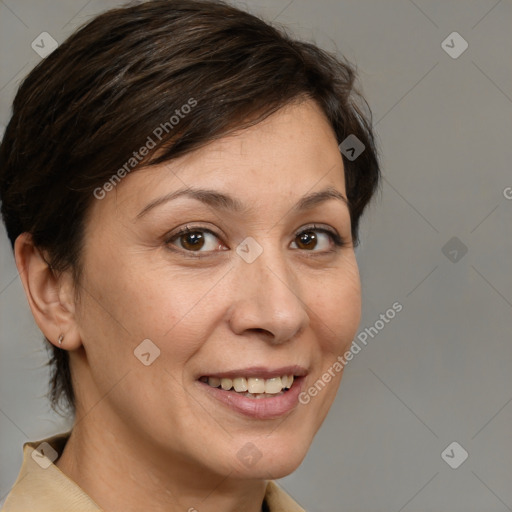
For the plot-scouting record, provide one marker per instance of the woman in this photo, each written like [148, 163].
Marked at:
[182, 185]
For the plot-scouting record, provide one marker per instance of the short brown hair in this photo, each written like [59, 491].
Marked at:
[80, 114]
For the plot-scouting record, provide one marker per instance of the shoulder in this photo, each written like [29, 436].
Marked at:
[42, 486]
[279, 500]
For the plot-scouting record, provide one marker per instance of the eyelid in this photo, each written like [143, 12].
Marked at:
[317, 227]
[187, 229]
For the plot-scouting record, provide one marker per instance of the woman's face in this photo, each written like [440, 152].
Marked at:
[257, 289]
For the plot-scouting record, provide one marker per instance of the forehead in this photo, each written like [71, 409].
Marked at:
[291, 152]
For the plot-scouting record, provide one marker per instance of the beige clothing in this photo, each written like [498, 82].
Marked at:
[42, 487]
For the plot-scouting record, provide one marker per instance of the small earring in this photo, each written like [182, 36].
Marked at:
[61, 337]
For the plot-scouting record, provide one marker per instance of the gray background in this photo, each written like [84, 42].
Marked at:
[440, 370]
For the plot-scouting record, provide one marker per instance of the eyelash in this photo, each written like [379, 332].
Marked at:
[336, 239]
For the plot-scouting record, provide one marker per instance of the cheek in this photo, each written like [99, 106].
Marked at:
[337, 307]
[134, 300]
[338, 313]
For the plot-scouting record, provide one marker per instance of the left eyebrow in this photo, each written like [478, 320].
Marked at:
[223, 201]
[316, 198]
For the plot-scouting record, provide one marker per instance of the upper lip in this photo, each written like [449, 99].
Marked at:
[259, 371]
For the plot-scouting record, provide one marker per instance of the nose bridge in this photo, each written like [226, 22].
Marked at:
[268, 296]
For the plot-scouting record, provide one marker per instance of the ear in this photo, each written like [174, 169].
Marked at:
[50, 296]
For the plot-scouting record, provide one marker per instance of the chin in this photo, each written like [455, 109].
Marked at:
[271, 458]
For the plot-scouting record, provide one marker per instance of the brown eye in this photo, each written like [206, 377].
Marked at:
[307, 240]
[196, 239]
[316, 239]
[192, 241]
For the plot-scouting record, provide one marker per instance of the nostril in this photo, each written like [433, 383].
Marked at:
[260, 330]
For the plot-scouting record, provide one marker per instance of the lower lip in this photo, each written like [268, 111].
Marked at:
[258, 408]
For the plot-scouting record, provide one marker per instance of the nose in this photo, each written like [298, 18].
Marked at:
[267, 299]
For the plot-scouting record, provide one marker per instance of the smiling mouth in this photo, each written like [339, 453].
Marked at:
[252, 387]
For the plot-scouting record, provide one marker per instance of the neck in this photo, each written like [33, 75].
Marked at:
[121, 472]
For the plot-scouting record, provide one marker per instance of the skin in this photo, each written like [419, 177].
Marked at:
[150, 437]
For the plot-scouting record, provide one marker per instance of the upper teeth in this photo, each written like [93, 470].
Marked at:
[253, 384]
